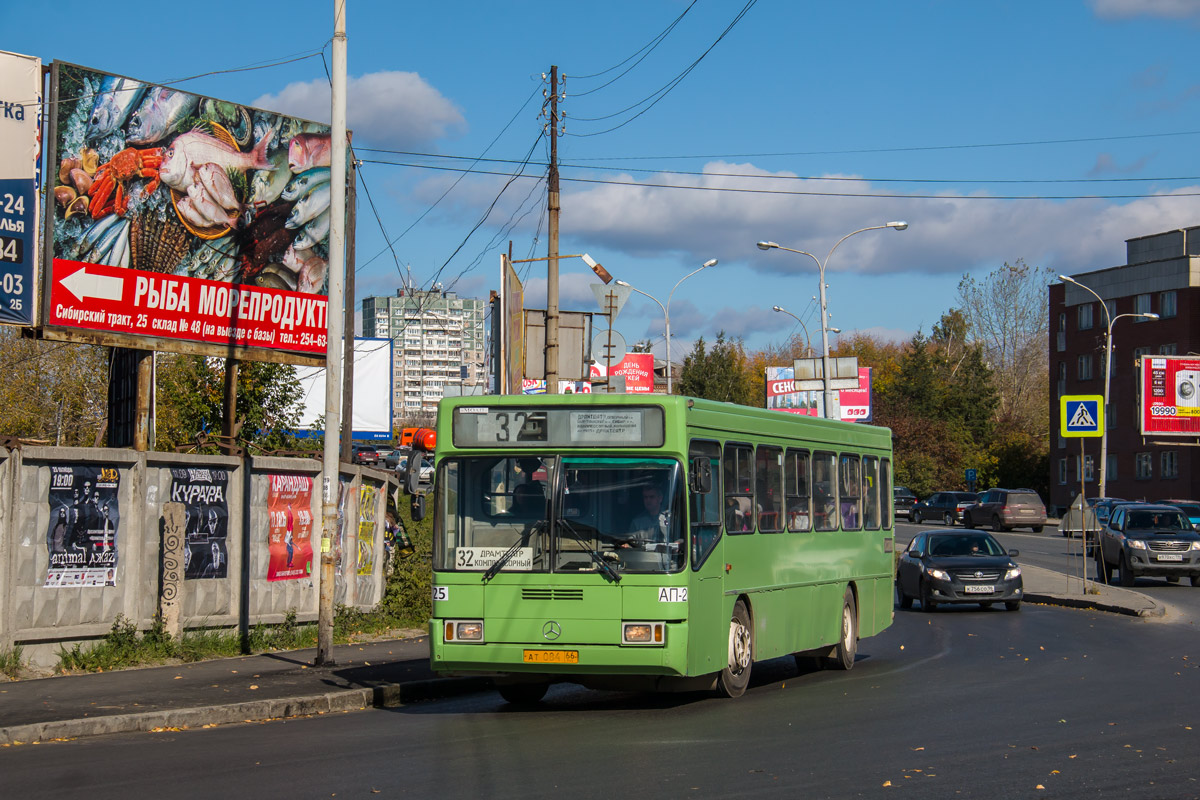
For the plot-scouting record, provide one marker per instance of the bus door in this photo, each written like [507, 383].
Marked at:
[708, 624]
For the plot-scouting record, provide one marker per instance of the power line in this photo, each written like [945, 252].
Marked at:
[648, 48]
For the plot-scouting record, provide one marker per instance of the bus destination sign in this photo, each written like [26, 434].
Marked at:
[593, 426]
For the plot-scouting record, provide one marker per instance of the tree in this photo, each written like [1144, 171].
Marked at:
[724, 373]
[53, 392]
[191, 394]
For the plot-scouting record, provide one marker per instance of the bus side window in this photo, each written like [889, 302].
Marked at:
[705, 507]
[825, 498]
[768, 471]
[738, 469]
[797, 487]
[885, 493]
[850, 489]
[871, 493]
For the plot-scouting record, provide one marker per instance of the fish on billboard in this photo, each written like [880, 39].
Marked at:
[222, 211]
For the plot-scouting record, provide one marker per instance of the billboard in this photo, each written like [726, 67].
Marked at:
[636, 368]
[1169, 402]
[195, 222]
[371, 405]
[20, 157]
[854, 405]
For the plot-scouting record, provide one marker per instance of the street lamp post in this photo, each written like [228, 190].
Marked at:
[712, 262]
[825, 393]
[1107, 377]
[807, 340]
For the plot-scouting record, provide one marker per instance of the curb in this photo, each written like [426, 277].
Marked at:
[1155, 610]
[385, 696]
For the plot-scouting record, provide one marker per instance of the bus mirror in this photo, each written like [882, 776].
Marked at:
[412, 473]
[701, 475]
[417, 508]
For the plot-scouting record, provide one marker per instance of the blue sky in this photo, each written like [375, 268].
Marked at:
[928, 110]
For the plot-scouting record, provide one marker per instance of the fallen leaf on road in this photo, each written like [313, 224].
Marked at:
[254, 686]
[1039, 786]
[887, 783]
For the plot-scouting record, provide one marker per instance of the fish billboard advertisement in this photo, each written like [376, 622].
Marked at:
[20, 156]
[201, 223]
[1170, 396]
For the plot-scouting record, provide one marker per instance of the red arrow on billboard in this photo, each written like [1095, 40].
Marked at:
[84, 285]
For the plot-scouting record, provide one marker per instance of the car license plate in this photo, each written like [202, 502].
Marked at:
[975, 589]
[551, 657]
[1170, 557]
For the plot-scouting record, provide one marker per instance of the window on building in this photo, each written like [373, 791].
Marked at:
[1169, 464]
[1141, 304]
[1167, 304]
[1089, 469]
[1167, 349]
[1062, 332]
[1085, 367]
[1062, 472]
[1111, 305]
[1085, 316]
[1143, 467]
[1110, 472]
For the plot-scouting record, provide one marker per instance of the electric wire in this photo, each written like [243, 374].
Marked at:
[648, 48]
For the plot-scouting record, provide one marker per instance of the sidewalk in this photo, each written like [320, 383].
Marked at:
[276, 685]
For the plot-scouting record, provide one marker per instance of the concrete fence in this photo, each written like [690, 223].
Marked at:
[82, 536]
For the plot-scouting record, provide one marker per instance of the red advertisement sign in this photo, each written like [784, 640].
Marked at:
[121, 300]
[855, 404]
[638, 370]
[289, 509]
[1170, 396]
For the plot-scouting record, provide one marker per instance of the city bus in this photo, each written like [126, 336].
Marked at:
[651, 541]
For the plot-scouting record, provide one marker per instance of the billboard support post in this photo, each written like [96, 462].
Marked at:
[333, 340]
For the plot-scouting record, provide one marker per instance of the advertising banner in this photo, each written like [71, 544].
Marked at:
[371, 415]
[204, 494]
[84, 517]
[20, 158]
[636, 368]
[184, 218]
[289, 509]
[366, 529]
[854, 405]
[1170, 396]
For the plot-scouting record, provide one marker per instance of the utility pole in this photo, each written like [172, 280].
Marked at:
[552, 251]
[330, 464]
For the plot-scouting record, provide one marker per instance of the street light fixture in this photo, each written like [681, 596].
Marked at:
[1107, 376]
[826, 394]
[712, 262]
[807, 339]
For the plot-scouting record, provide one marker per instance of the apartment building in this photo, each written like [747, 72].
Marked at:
[1161, 276]
[439, 346]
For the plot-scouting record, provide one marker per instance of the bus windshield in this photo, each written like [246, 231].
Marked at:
[613, 516]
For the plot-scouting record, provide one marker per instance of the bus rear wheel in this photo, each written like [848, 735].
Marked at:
[734, 679]
[847, 646]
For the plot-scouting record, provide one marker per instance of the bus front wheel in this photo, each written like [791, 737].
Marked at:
[847, 646]
[734, 679]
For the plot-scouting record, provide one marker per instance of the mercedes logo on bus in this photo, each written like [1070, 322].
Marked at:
[551, 630]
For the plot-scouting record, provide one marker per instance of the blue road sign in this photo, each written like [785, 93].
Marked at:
[1081, 415]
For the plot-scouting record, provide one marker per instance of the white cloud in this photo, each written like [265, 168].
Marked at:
[1121, 9]
[392, 109]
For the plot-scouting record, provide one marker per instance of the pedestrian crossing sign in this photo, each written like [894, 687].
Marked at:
[1081, 415]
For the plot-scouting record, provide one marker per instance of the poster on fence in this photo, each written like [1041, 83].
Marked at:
[289, 509]
[204, 493]
[84, 517]
[366, 529]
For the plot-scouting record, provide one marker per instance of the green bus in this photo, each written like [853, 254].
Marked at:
[651, 541]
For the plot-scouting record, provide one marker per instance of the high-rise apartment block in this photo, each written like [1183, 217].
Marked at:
[439, 346]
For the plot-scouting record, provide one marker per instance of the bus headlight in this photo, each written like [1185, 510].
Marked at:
[643, 632]
[464, 630]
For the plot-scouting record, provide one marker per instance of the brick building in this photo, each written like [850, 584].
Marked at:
[1161, 276]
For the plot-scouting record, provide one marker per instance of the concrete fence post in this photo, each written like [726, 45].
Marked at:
[174, 535]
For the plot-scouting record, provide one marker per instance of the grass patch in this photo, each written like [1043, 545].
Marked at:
[11, 663]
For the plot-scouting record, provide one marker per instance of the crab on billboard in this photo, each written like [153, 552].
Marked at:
[1170, 396]
[199, 222]
[20, 156]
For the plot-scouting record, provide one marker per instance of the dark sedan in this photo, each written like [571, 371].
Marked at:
[960, 567]
[903, 499]
[946, 506]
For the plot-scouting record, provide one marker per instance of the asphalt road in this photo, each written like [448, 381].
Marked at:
[1047, 702]
[1051, 550]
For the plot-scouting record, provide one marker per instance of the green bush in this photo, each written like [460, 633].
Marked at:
[10, 662]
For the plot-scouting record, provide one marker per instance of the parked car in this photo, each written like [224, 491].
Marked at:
[1104, 508]
[1005, 509]
[365, 455]
[1190, 509]
[959, 567]
[903, 501]
[396, 459]
[946, 506]
[1148, 539]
